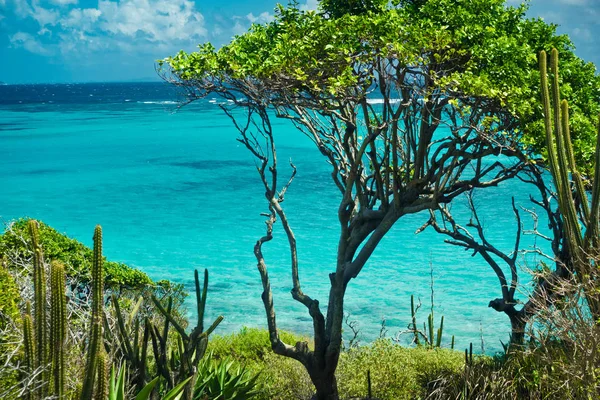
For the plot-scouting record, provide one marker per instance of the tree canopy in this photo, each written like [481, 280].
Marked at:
[468, 50]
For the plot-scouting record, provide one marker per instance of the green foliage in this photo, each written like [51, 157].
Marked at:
[74, 255]
[396, 372]
[9, 314]
[338, 8]
[279, 377]
[480, 52]
[249, 344]
[9, 298]
[224, 379]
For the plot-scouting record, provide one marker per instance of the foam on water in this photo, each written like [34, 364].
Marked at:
[175, 191]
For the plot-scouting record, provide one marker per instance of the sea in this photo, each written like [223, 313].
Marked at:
[174, 191]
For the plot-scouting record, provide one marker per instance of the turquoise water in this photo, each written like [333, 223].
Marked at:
[174, 191]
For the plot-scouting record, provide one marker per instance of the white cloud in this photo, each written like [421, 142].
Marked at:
[63, 2]
[242, 24]
[261, 18]
[133, 25]
[156, 20]
[81, 19]
[29, 43]
[44, 16]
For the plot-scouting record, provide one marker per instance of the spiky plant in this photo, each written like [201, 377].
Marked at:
[41, 359]
[58, 327]
[96, 339]
[579, 214]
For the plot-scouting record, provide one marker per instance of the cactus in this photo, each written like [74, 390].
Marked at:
[103, 375]
[414, 319]
[135, 353]
[95, 341]
[191, 347]
[39, 313]
[583, 243]
[431, 336]
[28, 344]
[58, 327]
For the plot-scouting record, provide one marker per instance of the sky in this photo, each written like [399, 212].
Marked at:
[118, 40]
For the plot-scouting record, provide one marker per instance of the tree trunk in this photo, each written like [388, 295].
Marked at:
[325, 384]
[517, 335]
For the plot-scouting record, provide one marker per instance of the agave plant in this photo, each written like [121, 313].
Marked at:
[116, 389]
[224, 379]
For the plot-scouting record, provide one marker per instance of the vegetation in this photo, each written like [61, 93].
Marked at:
[371, 84]
[467, 66]
[73, 254]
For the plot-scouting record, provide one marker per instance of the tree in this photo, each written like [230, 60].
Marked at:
[410, 109]
[570, 201]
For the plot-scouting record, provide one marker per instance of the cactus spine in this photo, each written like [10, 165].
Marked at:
[95, 343]
[58, 327]
[583, 244]
[39, 306]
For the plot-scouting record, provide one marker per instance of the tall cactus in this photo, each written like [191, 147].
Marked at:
[103, 374]
[28, 345]
[95, 341]
[58, 327]
[192, 347]
[41, 359]
[582, 242]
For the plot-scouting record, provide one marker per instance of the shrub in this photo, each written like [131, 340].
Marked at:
[9, 314]
[75, 255]
[396, 372]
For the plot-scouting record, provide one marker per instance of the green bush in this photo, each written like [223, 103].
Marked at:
[249, 344]
[396, 372]
[281, 378]
[75, 255]
[9, 313]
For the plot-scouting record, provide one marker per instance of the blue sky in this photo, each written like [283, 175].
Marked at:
[118, 40]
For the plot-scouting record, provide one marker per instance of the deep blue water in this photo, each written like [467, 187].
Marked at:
[174, 191]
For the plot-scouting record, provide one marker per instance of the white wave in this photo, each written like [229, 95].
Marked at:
[157, 102]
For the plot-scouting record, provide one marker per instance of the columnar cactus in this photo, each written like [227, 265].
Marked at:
[95, 341]
[41, 359]
[58, 327]
[103, 372]
[28, 344]
[582, 240]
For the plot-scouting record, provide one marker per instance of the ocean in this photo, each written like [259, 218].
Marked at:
[174, 191]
